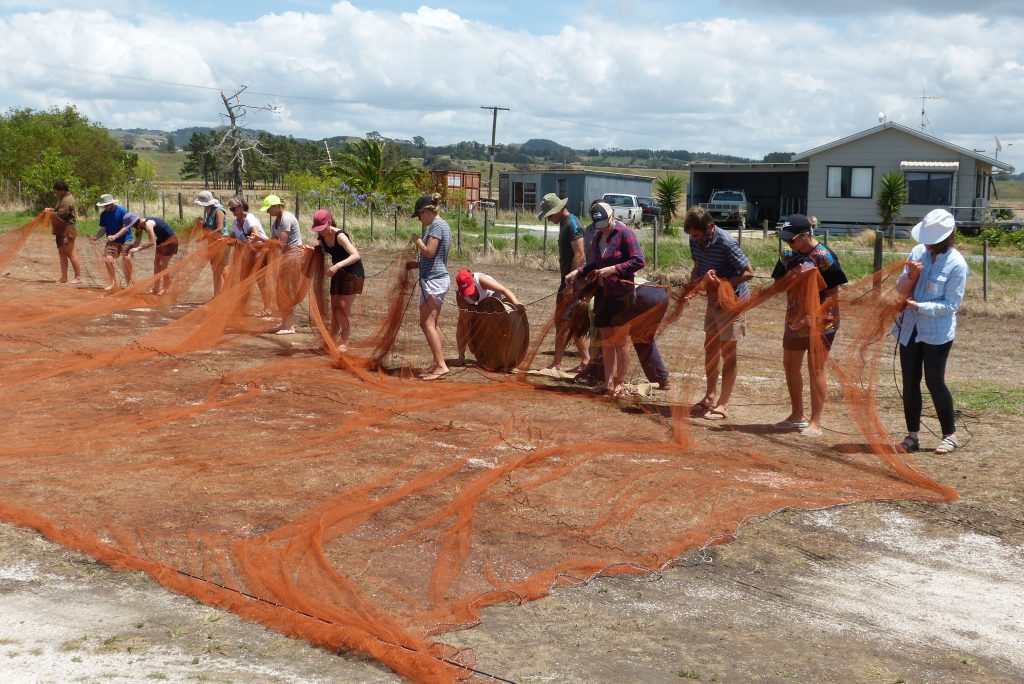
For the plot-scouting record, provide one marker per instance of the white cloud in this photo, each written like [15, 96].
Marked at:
[742, 86]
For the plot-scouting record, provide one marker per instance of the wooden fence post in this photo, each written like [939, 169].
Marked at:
[181, 209]
[515, 244]
[654, 231]
[485, 230]
[984, 270]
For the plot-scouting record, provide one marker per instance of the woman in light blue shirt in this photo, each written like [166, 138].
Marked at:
[933, 282]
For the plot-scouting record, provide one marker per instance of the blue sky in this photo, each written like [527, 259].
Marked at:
[743, 77]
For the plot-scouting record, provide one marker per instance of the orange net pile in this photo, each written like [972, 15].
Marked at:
[333, 497]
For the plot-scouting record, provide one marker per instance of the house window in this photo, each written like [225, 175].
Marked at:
[529, 194]
[850, 181]
[561, 187]
[454, 181]
[929, 188]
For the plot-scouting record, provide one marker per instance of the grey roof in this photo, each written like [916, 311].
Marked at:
[910, 131]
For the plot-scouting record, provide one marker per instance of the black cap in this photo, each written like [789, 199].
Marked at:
[794, 225]
[421, 204]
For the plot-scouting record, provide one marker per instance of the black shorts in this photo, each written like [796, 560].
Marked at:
[343, 283]
[804, 343]
[613, 311]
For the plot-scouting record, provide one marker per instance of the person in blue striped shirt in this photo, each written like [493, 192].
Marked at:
[933, 281]
[716, 255]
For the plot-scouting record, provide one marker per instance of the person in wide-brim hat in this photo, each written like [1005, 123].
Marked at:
[933, 281]
[550, 204]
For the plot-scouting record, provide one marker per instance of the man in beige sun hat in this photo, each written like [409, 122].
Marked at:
[569, 322]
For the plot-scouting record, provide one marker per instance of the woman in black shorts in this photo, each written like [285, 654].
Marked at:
[346, 272]
[162, 237]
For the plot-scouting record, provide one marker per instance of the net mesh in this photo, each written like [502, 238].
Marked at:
[330, 496]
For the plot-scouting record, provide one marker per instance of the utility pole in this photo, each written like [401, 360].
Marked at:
[494, 131]
[329, 160]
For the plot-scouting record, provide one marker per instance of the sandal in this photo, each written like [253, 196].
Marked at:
[948, 445]
[701, 407]
[908, 445]
[716, 414]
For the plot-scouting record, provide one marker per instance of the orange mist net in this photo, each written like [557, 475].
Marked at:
[333, 497]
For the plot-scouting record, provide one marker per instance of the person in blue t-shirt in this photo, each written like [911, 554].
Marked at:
[112, 225]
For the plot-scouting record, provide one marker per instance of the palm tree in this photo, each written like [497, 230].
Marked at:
[376, 169]
[669, 191]
[892, 195]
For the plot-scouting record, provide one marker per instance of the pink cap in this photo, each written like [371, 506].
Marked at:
[321, 219]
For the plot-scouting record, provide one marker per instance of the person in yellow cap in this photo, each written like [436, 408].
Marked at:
[284, 228]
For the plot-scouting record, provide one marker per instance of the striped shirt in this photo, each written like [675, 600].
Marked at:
[723, 255]
[437, 267]
[938, 292]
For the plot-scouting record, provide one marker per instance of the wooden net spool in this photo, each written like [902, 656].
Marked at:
[498, 334]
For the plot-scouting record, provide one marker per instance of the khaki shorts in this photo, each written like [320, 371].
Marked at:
[726, 325]
[115, 249]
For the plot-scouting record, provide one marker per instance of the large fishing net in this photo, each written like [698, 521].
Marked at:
[330, 495]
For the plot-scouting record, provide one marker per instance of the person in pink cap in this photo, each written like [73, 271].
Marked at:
[346, 273]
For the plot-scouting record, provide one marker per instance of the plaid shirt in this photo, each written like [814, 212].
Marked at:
[622, 251]
[938, 292]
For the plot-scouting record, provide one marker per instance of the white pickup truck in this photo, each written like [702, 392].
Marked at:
[626, 208]
[731, 207]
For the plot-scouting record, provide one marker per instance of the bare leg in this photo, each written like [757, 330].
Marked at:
[729, 372]
[69, 249]
[712, 366]
[345, 317]
[792, 362]
[335, 316]
[63, 264]
[462, 333]
[128, 269]
[819, 387]
[109, 263]
[430, 311]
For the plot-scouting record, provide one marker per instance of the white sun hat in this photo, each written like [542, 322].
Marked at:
[936, 226]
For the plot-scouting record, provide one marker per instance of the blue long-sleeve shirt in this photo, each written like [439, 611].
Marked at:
[938, 292]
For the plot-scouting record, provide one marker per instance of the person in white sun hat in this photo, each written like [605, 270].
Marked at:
[933, 282]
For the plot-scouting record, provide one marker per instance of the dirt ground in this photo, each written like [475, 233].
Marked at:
[870, 592]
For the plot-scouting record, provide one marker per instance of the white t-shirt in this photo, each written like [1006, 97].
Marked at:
[481, 292]
[243, 228]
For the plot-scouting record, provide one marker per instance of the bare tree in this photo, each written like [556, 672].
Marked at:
[235, 137]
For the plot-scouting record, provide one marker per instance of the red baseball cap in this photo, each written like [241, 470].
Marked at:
[464, 280]
[321, 219]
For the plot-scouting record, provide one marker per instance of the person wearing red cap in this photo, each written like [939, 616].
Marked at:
[474, 288]
[346, 273]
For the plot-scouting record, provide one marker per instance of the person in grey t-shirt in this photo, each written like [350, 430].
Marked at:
[284, 228]
[434, 279]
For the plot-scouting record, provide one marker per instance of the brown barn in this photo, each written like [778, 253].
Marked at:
[452, 183]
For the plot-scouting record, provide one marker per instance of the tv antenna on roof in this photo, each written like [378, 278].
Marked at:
[925, 122]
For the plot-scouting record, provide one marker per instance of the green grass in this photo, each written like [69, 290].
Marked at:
[987, 396]
[166, 164]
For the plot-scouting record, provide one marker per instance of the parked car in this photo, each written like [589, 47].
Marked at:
[731, 207]
[626, 207]
[651, 209]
